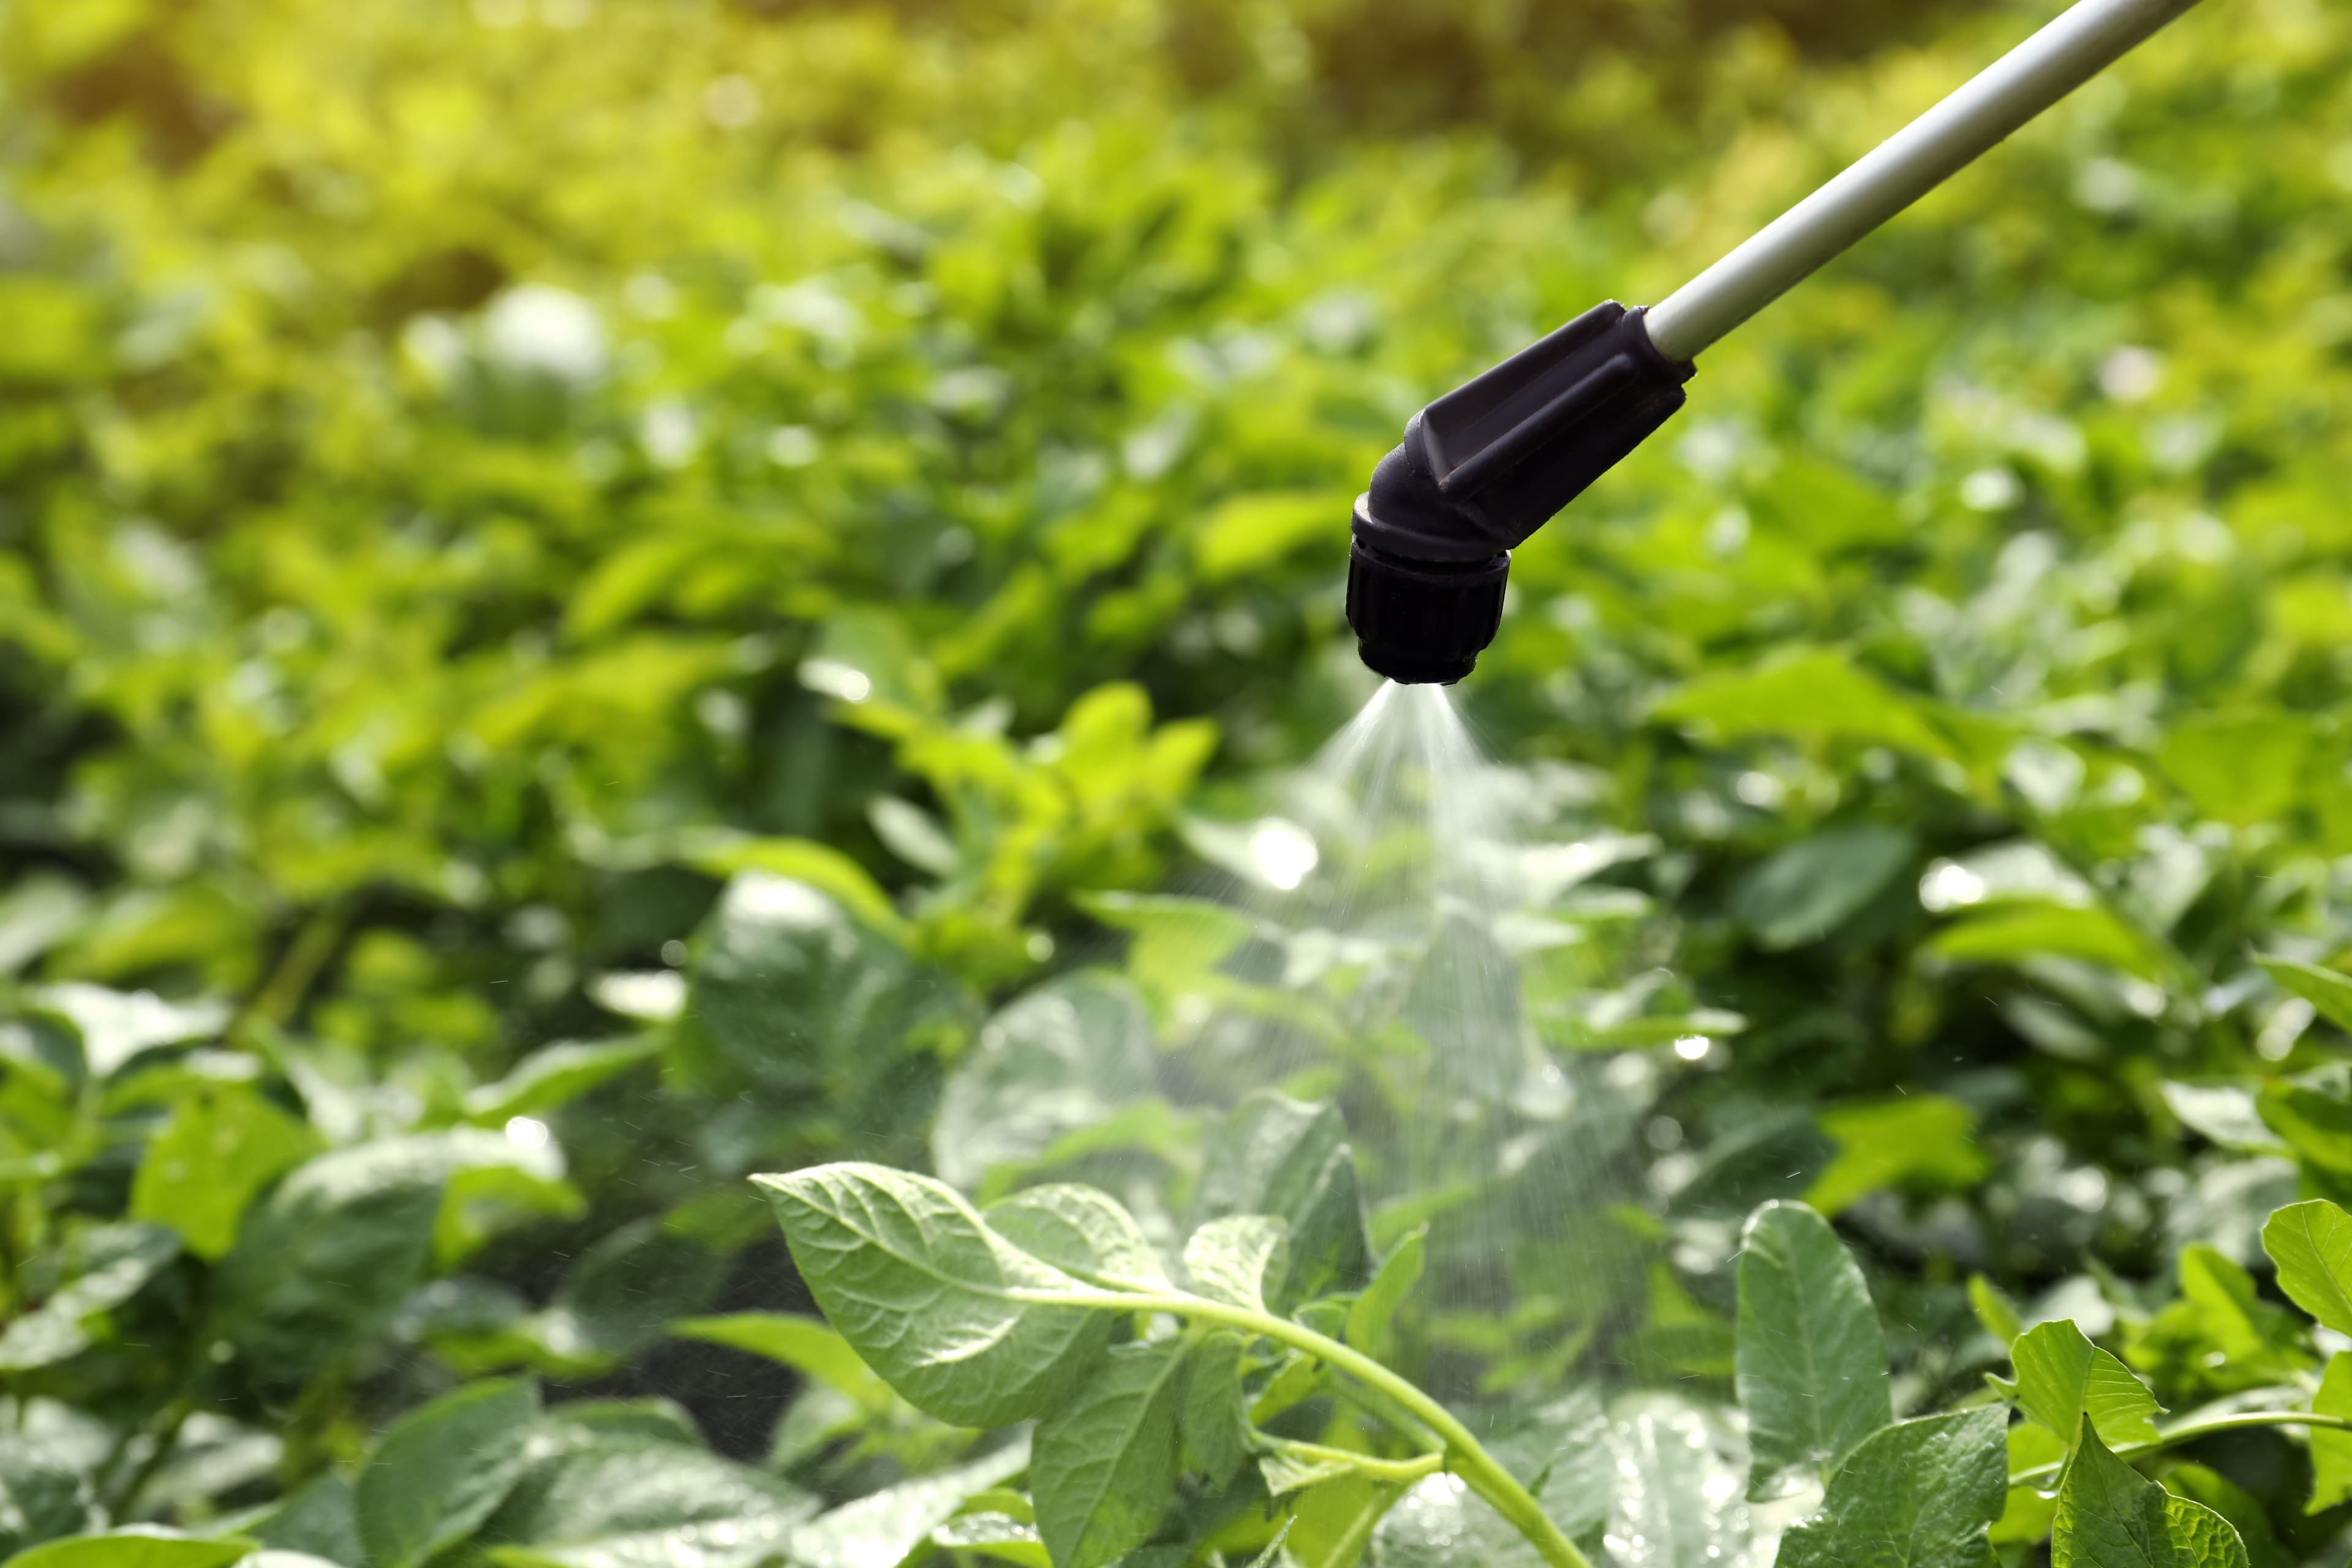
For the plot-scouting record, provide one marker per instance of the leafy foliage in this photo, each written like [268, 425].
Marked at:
[596, 599]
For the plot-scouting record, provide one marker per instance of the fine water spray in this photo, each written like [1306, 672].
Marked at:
[1484, 467]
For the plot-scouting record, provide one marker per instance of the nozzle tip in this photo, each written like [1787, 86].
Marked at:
[1424, 623]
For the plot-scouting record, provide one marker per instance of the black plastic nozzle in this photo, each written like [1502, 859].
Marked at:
[1482, 468]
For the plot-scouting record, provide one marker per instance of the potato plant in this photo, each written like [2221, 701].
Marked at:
[598, 598]
[1051, 1306]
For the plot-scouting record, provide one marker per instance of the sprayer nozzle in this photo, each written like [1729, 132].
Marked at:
[1423, 622]
[1482, 468]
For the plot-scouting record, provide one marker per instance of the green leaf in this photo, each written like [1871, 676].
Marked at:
[894, 680]
[1923, 1138]
[2061, 1377]
[590, 1496]
[803, 1344]
[2220, 1332]
[1440, 1524]
[2015, 934]
[2317, 1126]
[283, 1294]
[1216, 1428]
[1372, 1319]
[1249, 532]
[884, 1527]
[220, 1146]
[1807, 890]
[442, 1470]
[1272, 1556]
[496, 1183]
[135, 1546]
[756, 864]
[1920, 1494]
[116, 1263]
[1081, 1231]
[997, 1535]
[555, 1075]
[2025, 1520]
[1994, 1311]
[650, 1419]
[2225, 1113]
[621, 1294]
[320, 1519]
[1811, 1357]
[1102, 1468]
[1559, 1450]
[1827, 506]
[115, 1026]
[1677, 1498]
[41, 1496]
[1054, 1062]
[1284, 1469]
[2237, 768]
[50, 329]
[2329, 991]
[2331, 1448]
[930, 1296]
[1813, 692]
[1232, 1259]
[1177, 941]
[2312, 1244]
[1331, 1524]
[1276, 1156]
[2109, 1517]
[794, 998]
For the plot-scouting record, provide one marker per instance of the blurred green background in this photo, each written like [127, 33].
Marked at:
[474, 477]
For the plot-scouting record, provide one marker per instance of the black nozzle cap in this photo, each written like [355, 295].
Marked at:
[1481, 469]
[1423, 622]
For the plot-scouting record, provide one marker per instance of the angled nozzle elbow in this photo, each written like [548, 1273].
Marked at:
[1481, 469]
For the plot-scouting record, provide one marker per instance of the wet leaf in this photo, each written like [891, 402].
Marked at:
[442, 1470]
[2062, 1377]
[1919, 1494]
[903, 1267]
[1372, 1319]
[1278, 1157]
[1233, 1260]
[589, 1496]
[1054, 1062]
[116, 1263]
[135, 1546]
[804, 1343]
[1678, 1500]
[2327, 990]
[1807, 890]
[1812, 1356]
[2331, 1448]
[1081, 1231]
[2109, 1517]
[2312, 1244]
[555, 1075]
[1103, 1467]
[884, 1526]
[218, 1149]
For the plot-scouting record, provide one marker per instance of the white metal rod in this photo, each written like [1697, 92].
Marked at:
[2044, 69]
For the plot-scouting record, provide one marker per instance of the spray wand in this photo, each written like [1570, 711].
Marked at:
[1490, 462]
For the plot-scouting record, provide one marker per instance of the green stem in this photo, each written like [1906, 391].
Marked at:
[2188, 1432]
[1402, 1472]
[1463, 1454]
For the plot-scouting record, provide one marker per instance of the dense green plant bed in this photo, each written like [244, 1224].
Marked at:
[599, 599]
